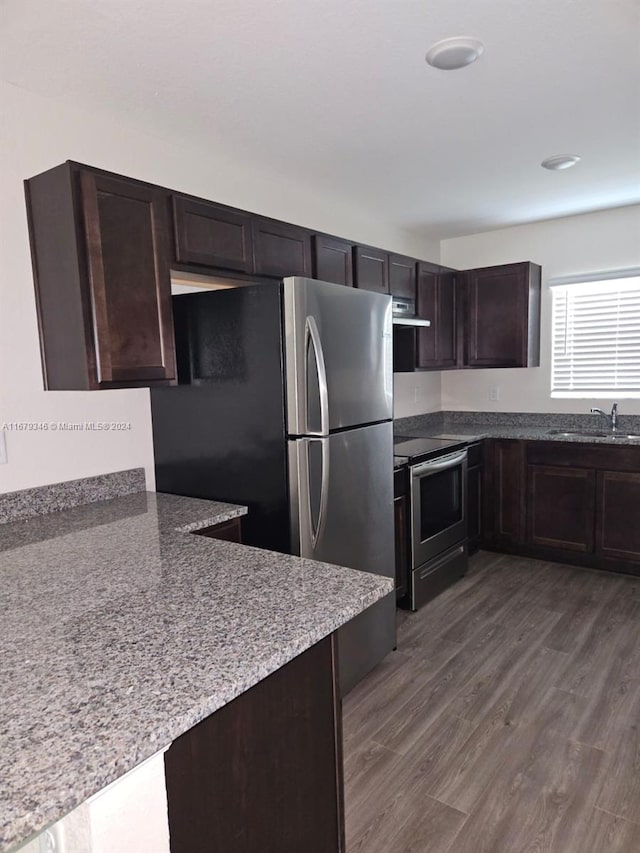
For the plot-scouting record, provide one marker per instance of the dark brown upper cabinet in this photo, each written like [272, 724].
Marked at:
[332, 260]
[402, 276]
[100, 251]
[212, 235]
[503, 316]
[281, 249]
[438, 346]
[371, 269]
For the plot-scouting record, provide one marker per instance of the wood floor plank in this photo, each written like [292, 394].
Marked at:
[401, 828]
[604, 833]
[516, 679]
[400, 730]
[518, 733]
[541, 780]
[369, 711]
[364, 769]
[620, 791]
[373, 774]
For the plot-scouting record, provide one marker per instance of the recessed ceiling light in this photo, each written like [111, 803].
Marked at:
[453, 53]
[560, 161]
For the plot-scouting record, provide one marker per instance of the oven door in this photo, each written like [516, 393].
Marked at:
[438, 498]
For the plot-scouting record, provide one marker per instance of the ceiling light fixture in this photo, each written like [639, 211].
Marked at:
[452, 53]
[560, 161]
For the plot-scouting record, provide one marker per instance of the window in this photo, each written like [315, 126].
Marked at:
[596, 337]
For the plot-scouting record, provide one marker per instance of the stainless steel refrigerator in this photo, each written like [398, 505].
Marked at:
[285, 403]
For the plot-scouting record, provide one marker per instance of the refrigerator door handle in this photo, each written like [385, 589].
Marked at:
[312, 336]
[324, 493]
[306, 530]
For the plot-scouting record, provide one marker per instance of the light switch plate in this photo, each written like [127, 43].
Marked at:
[3, 448]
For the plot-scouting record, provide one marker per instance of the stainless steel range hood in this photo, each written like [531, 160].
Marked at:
[404, 313]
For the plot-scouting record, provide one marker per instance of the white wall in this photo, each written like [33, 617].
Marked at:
[416, 393]
[38, 133]
[591, 242]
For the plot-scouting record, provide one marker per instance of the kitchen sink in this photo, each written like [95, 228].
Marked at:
[585, 433]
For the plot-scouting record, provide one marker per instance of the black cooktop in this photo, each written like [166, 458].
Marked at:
[420, 449]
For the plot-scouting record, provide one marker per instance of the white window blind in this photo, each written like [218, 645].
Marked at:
[596, 339]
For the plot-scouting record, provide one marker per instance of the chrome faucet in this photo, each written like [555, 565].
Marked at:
[612, 418]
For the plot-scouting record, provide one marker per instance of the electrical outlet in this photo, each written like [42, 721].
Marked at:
[494, 393]
[3, 448]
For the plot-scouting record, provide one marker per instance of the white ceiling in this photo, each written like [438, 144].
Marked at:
[336, 93]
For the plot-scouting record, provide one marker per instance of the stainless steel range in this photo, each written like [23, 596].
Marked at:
[438, 483]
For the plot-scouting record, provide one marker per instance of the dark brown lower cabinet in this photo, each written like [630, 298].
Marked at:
[230, 531]
[475, 493]
[581, 502]
[507, 478]
[401, 514]
[560, 507]
[618, 515]
[264, 773]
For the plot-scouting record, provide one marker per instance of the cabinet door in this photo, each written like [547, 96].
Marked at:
[503, 316]
[212, 235]
[617, 515]
[127, 236]
[560, 507]
[401, 514]
[507, 463]
[281, 250]
[332, 260]
[371, 269]
[474, 507]
[437, 345]
[264, 773]
[402, 276]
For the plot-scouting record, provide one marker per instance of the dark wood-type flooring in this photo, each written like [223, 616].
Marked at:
[507, 721]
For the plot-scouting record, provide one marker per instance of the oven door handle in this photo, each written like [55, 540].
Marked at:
[424, 469]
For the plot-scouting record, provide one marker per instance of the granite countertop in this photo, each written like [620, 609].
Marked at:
[476, 432]
[470, 426]
[120, 632]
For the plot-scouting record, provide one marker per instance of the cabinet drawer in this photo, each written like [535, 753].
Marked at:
[582, 455]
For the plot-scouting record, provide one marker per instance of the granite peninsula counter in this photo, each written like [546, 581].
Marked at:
[120, 632]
